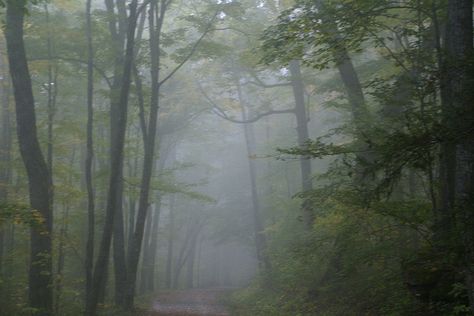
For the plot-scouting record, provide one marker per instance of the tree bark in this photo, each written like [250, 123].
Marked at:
[303, 136]
[89, 261]
[120, 266]
[51, 88]
[145, 262]
[118, 25]
[39, 182]
[153, 247]
[354, 92]
[134, 249]
[260, 239]
[186, 250]
[190, 265]
[457, 154]
[117, 153]
[169, 256]
[5, 162]
[62, 245]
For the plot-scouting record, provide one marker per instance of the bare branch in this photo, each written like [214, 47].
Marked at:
[258, 117]
[193, 49]
[221, 113]
[259, 82]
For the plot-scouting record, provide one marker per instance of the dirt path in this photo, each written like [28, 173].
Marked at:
[191, 302]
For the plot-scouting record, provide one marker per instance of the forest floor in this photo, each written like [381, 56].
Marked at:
[191, 303]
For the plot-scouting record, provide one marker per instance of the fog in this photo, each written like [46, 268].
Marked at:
[203, 157]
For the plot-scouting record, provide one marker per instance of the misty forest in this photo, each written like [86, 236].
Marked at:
[236, 157]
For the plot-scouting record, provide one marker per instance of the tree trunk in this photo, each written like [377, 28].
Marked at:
[120, 267]
[131, 219]
[40, 274]
[181, 259]
[62, 244]
[52, 93]
[190, 265]
[61, 259]
[186, 250]
[169, 256]
[5, 161]
[120, 258]
[260, 239]
[457, 177]
[117, 153]
[354, 92]
[303, 136]
[198, 268]
[148, 163]
[346, 69]
[145, 268]
[89, 261]
[149, 252]
[153, 247]
[119, 34]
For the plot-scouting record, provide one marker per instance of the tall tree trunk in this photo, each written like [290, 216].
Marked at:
[117, 153]
[51, 88]
[148, 163]
[39, 182]
[190, 265]
[145, 267]
[352, 85]
[131, 219]
[118, 26]
[347, 72]
[147, 276]
[355, 96]
[5, 157]
[303, 136]
[118, 32]
[61, 259]
[354, 93]
[457, 155]
[133, 172]
[260, 239]
[186, 250]
[89, 261]
[198, 268]
[120, 257]
[169, 256]
[120, 266]
[153, 247]
[62, 243]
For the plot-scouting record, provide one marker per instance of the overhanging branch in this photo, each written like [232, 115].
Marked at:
[221, 113]
[192, 51]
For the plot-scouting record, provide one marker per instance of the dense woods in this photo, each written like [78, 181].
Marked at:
[221, 157]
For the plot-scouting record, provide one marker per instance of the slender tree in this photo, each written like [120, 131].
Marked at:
[89, 261]
[39, 181]
[171, 235]
[457, 153]
[117, 153]
[157, 12]
[5, 154]
[250, 142]
[297, 86]
[134, 249]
